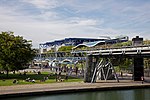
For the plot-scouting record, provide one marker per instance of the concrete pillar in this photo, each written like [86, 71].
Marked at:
[91, 62]
[138, 69]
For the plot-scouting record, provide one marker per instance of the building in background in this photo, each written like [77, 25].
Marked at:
[55, 45]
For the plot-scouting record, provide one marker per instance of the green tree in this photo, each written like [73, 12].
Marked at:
[146, 42]
[122, 63]
[65, 48]
[15, 52]
[128, 43]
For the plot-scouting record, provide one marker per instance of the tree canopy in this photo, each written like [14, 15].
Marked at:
[146, 42]
[65, 48]
[15, 51]
[128, 43]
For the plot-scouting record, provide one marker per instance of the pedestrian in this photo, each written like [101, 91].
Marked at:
[56, 77]
[66, 76]
[121, 74]
[142, 79]
[76, 70]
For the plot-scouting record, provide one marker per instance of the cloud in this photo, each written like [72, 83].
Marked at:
[39, 31]
[83, 21]
[43, 4]
[48, 20]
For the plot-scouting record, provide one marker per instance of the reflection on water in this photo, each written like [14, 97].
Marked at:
[135, 94]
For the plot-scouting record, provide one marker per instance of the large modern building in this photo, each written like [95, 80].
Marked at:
[54, 45]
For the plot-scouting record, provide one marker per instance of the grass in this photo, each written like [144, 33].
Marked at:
[4, 81]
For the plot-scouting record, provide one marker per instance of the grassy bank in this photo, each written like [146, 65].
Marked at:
[39, 78]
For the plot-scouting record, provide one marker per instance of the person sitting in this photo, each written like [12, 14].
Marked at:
[28, 79]
[47, 78]
[59, 78]
[33, 81]
[24, 73]
[39, 73]
[20, 73]
[15, 81]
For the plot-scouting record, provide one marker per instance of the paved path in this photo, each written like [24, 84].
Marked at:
[70, 86]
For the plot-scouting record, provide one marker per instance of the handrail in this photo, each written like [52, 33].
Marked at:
[126, 47]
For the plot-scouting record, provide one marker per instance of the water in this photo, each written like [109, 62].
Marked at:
[134, 94]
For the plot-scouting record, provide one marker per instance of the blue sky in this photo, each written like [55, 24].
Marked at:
[48, 20]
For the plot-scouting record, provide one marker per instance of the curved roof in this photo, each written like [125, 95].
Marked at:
[111, 41]
[89, 44]
[74, 41]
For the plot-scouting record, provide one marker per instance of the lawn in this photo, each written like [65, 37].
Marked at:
[4, 81]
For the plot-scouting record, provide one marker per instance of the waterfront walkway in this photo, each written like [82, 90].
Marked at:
[36, 89]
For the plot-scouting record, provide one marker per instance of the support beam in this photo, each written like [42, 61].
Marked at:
[138, 69]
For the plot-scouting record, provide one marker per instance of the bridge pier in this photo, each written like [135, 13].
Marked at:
[91, 62]
[138, 70]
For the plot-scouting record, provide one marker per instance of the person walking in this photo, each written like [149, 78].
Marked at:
[142, 79]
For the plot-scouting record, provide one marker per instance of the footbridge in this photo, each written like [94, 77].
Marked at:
[100, 66]
[98, 61]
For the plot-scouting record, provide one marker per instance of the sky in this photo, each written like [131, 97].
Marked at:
[48, 20]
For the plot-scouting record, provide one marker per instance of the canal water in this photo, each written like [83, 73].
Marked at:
[134, 94]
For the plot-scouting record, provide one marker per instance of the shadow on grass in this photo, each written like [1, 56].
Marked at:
[31, 75]
[7, 81]
[23, 77]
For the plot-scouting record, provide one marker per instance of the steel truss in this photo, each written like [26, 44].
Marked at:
[104, 70]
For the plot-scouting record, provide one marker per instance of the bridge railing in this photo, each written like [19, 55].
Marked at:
[105, 51]
[118, 50]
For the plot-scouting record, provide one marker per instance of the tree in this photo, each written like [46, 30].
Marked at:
[15, 52]
[65, 48]
[146, 42]
[128, 43]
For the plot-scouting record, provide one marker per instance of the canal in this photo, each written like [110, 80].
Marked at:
[134, 94]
